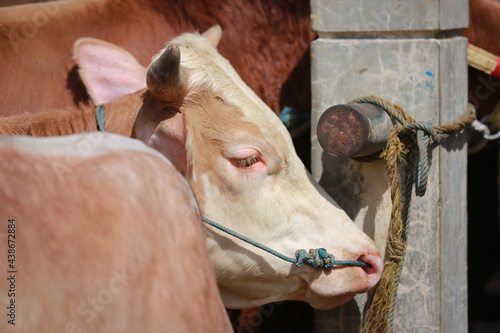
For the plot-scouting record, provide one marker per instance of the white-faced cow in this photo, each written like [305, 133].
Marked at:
[240, 162]
[103, 235]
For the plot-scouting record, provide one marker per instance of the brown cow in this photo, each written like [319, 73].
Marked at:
[239, 159]
[103, 235]
[264, 40]
[483, 31]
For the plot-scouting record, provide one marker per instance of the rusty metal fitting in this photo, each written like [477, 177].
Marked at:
[353, 130]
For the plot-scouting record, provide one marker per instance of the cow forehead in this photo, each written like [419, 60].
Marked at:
[208, 69]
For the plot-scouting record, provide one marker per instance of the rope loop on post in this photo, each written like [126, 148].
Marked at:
[424, 134]
[410, 142]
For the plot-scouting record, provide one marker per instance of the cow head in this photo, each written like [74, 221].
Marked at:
[241, 164]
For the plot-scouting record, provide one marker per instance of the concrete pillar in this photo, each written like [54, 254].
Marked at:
[410, 53]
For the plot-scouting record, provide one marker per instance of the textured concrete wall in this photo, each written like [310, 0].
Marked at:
[388, 15]
[404, 56]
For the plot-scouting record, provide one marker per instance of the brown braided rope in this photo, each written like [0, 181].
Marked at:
[378, 317]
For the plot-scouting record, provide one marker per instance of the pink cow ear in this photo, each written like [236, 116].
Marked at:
[108, 71]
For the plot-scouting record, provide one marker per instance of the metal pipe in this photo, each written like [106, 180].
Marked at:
[353, 130]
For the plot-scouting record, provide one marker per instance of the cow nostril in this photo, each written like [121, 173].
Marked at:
[374, 266]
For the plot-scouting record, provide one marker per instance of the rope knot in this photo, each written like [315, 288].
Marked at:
[317, 258]
[425, 127]
[424, 133]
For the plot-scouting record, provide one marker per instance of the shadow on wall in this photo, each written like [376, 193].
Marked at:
[358, 185]
[359, 189]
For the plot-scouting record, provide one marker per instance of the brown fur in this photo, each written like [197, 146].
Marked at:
[113, 245]
[264, 40]
[484, 24]
[119, 118]
[483, 31]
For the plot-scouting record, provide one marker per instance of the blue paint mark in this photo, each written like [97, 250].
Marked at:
[430, 85]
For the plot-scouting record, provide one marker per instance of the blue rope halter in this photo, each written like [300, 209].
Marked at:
[99, 116]
[317, 258]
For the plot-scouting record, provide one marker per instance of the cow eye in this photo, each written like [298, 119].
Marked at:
[246, 162]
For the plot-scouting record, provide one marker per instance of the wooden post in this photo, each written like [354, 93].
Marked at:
[410, 53]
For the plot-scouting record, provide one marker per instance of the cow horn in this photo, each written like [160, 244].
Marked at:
[165, 78]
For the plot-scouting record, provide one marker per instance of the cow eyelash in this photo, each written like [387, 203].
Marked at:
[246, 162]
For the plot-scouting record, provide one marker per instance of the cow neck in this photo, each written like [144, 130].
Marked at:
[120, 116]
[49, 123]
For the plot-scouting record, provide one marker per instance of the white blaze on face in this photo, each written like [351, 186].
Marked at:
[247, 176]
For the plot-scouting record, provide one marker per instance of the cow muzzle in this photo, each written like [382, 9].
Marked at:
[329, 289]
